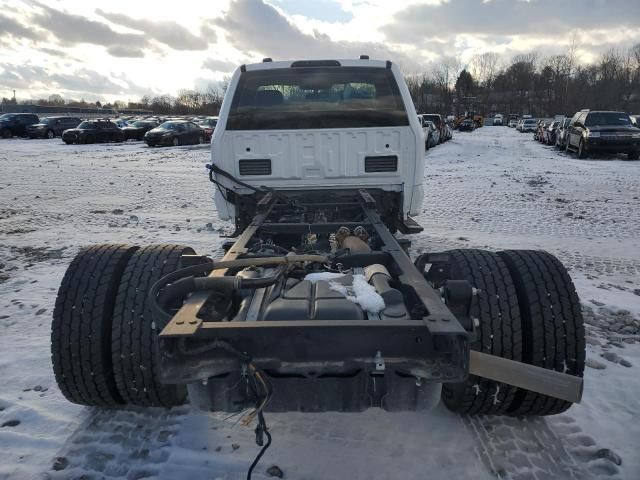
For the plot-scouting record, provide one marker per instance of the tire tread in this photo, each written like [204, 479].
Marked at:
[553, 327]
[81, 326]
[496, 308]
[134, 349]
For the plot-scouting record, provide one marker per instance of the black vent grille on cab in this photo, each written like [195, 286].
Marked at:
[387, 163]
[258, 166]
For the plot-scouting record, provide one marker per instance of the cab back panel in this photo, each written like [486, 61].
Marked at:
[306, 157]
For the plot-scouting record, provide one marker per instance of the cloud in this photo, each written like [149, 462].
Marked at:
[84, 80]
[125, 51]
[509, 27]
[209, 32]
[510, 17]
[171, 34]
[218, 65]
[71, 28]
[253, 26]
[79, 82]
[9, 26]
[10, 79]
[324, 10]
[56, 52]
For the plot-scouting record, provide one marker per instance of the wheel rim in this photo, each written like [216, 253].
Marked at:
[175, 142]
[50, 134]
[200, 140]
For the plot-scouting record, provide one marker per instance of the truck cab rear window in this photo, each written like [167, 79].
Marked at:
[311, 98]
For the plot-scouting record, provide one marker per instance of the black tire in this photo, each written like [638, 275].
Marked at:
[81, 327]
[633, 155]
[581, 151]
[552, 324]
[496, 308]
[51, 134]
[135, 350]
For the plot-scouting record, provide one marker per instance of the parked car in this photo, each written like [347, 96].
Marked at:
[51, 127]
[549, 133]
[208, 125]
[177, 132]
[93, 131]
[433, 138]
[529, 125]
[542, 124]
[136, 130]
[498, 120]
[594, 131]
[467, 125]
[15, 124]
[447, 131]
[425, 131]
[545, 125]
[436, 119]
[121, 123]
[513, 123]
[562, 132]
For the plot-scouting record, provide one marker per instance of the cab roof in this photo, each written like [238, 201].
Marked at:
[270, 65]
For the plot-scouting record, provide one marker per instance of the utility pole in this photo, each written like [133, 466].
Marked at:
[14, 96]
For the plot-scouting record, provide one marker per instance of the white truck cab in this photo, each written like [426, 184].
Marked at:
[295, 126]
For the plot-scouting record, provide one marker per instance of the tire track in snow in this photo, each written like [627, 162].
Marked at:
[539, 448]
[132, 443]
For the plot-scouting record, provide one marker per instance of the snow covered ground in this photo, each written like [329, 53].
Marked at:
[493, 188]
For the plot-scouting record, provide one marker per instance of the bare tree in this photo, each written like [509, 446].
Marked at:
[484, 67]
[445, 74]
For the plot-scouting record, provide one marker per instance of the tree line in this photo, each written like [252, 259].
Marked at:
[186, 102]
[530, 84]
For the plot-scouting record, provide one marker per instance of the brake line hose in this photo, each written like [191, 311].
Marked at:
[182, 282]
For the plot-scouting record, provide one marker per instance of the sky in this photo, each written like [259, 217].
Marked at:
[124, 49]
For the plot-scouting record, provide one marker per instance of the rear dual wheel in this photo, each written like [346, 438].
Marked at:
[104, 339]
[527, 310]
[499, 331]
[81, 327]
[134, 348]
[552, 324]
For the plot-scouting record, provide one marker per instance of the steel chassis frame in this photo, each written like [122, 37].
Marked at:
[431, 347]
